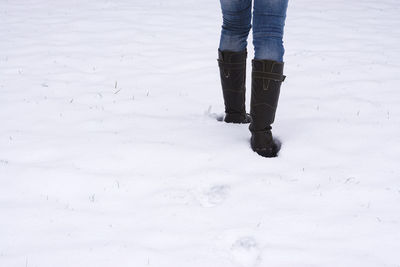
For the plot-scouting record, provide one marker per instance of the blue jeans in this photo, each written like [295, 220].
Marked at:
[268, 23]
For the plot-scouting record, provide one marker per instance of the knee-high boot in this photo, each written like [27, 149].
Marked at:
[267, 77]
[232, 67]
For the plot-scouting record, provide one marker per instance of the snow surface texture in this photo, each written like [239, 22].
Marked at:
[110, 154]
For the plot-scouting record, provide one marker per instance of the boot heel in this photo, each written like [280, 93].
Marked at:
[237, 118]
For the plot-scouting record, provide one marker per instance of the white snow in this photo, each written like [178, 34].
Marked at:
[110, 154]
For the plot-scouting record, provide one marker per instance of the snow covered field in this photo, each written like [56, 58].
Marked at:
[110, 154]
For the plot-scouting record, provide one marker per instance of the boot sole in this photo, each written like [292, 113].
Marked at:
[237, 118]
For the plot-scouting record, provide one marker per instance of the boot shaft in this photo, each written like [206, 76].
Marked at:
[232, 67]
[267, 77]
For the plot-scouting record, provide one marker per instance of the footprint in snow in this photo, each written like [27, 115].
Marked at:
[245, 252]
[213, 196]
[216, 116]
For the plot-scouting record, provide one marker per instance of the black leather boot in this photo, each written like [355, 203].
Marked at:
[267, 77]
[232, 68]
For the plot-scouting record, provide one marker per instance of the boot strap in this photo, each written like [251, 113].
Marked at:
[227, 65]
[269, 76]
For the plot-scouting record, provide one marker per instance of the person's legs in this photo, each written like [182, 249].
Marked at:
[232, 56]
[268, 23]
[236, 25]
